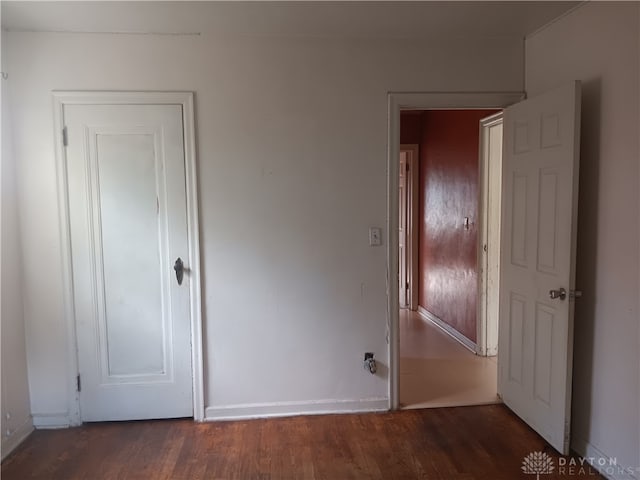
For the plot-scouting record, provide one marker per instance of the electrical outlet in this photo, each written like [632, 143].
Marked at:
[370, 363]
[375, 236]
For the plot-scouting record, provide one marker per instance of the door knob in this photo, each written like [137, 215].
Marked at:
[179, 268]
[561, 294]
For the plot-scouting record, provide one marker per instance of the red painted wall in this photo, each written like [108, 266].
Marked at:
[449, 177]
[411, 126]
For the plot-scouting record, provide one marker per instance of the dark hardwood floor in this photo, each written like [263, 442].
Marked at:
[465, 443]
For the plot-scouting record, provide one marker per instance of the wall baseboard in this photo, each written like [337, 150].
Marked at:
[286, 409]
[448, 329]
[608, 469]
[43, 421]
[253, 410]
[20, 434]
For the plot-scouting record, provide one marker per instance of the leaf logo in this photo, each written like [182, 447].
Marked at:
[537, 463]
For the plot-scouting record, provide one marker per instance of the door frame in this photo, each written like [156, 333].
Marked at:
[413, 207]
[397, 101]
[487, 338]
[186, 101]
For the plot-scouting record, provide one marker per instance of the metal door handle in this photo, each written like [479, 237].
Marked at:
[561, 294]
[179, 268]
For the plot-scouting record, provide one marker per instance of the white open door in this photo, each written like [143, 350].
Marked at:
[537, 273]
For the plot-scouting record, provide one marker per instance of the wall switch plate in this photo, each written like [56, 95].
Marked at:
[375, 236]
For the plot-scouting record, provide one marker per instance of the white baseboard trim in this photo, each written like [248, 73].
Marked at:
[448, 329]
[19, 435]
[287, 409]
[605, 464]
[43, 421]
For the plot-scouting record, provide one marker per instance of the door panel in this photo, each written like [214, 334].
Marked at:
[519, 221]
[516, 317]
[127, 209]
[125, 203]
[540, 178]
[548, 209]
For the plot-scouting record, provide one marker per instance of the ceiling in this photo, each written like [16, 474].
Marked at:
[302, 18]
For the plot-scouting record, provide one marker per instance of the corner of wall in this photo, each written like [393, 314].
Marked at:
[606, 465]
[19, 435]
[16, 419]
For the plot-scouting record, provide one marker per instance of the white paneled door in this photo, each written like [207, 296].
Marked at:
[128, 228]
[537, 273]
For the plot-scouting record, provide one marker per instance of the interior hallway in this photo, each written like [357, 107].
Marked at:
[437, 371]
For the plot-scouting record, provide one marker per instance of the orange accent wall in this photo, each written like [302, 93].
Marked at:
[449, 175]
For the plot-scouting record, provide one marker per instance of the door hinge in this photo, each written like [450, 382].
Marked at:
[407, 286]
[406, 167]
[65, 139]
[78, 385]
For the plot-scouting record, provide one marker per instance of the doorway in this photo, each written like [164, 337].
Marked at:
[538, 244]
[128, 196]
[416, 101]
[443, 342]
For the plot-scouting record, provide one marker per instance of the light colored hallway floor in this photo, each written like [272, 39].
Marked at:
[437, 371]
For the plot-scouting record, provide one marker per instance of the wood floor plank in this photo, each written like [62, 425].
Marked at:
[465, 443]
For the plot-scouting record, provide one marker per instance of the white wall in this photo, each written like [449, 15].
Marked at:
[16, 418]
[292, 172]
[598, 44]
